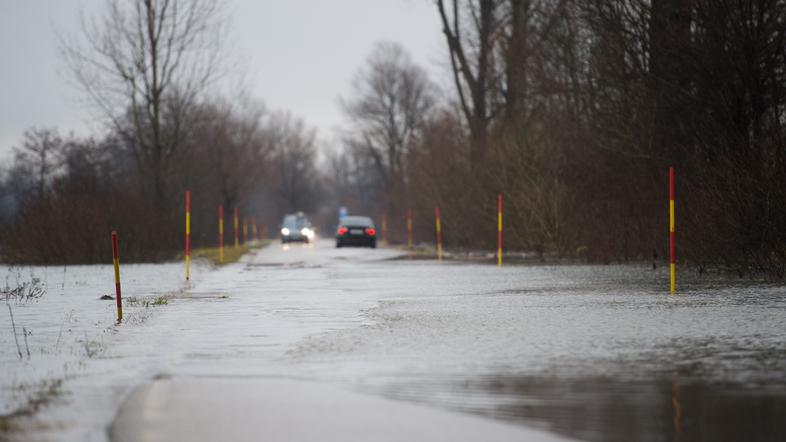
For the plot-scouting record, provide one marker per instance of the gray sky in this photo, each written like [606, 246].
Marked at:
[300, 55]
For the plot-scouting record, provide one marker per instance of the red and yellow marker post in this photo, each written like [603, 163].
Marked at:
[384, 228]
[116, 261]
[188, 234]
[438, 221]
[499, 230]
[237, 226]
[409, 229]
[221, 234]
[672, 269]
[245, 230]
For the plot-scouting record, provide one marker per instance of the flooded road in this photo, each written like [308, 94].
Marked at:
[596, 353]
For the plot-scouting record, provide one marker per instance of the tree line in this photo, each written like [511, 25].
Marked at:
[151, 70]
[63, 194]
[574, 110]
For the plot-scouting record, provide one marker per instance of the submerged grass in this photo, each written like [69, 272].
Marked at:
[232, 254]
[146, 302]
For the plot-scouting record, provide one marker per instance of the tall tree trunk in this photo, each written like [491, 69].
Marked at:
[472, 76]
[669, 81]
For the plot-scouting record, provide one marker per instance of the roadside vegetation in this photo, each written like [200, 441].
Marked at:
[573, 111]
[169, 128]
[146, 302]
[231, 254]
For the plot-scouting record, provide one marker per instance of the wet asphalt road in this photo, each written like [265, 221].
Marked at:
[589, 352]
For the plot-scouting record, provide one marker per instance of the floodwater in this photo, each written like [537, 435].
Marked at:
[598, 353]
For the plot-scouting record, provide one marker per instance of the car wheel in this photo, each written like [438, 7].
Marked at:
[338, 245]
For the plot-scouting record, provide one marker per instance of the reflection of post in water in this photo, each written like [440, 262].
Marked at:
[675, 401]
[384, 228]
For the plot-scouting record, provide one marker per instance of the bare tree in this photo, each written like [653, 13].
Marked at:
[37, 160]
[144, 64]
[471, 28]
[229, 150]
[529, 33]
[294, 156]
[391, 100]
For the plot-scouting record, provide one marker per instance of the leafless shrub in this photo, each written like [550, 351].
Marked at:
[23, 291]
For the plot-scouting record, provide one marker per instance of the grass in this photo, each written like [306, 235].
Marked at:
[232, 254]
[146, 302]
[419, 252]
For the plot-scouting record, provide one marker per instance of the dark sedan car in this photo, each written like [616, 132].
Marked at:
[356, 231]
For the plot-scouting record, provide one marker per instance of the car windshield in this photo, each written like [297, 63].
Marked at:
[295, 222]
[360, 221]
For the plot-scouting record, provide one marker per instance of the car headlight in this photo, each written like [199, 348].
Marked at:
[308, 233]
[285, 231]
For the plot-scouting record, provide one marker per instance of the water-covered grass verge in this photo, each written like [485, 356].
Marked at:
[232, 254]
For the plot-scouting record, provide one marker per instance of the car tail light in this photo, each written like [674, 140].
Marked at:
[342, 230]
[370, 231]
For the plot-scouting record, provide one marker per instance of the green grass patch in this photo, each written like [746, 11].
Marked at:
[232, 254]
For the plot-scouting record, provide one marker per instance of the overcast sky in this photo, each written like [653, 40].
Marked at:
[299, 55]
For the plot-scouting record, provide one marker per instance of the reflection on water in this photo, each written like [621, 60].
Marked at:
[596, 353]
[677, 406]
[670, 409]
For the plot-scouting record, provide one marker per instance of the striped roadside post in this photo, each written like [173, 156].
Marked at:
[437, 215]
[499, 230]
[116, 262]
[384, 228]
[221, 234]
[237, 227]
[409, 229]
[188, 234]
